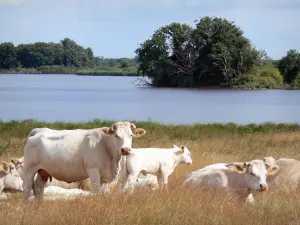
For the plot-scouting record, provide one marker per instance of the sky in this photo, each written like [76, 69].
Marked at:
[115, 28]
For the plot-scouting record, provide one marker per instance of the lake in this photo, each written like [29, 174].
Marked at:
[79, 98]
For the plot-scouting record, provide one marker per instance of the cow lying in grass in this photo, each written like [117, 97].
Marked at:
[10, 180]
[288, 176]
[249, 176]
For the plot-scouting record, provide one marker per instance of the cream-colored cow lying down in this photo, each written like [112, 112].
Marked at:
[55, 192]
[10, 180]
[288, 176]
[160, 162]
[250, 176]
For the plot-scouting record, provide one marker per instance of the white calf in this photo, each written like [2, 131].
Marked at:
[160, 162]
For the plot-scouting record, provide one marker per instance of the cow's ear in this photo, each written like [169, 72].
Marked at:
[272, 169]
[132, 126]
[138, 132]
[107, 131]
[4, 167]
[182, 148]
[238, 167]
[14, 160]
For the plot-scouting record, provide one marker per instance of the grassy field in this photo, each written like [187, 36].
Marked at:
[208, 144]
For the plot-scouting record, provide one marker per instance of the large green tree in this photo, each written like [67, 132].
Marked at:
[289, 65]
[212, 53]
[8, 56]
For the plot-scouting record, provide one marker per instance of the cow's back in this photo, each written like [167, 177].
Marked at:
[288, 176]
[206, 177]
[60, 153]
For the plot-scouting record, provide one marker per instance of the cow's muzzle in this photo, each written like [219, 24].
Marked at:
[125, 151]
[263, 187]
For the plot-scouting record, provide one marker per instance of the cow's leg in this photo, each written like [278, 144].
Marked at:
[105, 187]
[28, 182]
[3, 196]
[39, 186]
[131, 181]
[95, 179]
[164, 179]
[250, 199]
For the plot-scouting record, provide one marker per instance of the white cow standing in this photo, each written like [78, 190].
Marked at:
[10, 179]
[250, 176]
[160, 162]
[79, 154]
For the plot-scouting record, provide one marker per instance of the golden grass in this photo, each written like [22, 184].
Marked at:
[208, 144]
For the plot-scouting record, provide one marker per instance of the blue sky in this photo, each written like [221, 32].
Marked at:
[114, 28]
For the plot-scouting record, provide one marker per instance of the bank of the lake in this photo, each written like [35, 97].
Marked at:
[100, 71]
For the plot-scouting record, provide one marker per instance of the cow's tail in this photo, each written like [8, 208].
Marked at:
[31, 133]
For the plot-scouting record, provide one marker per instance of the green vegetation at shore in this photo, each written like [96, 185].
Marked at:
[96, 71]
[108, 71]
[66, 57]
[208, 143]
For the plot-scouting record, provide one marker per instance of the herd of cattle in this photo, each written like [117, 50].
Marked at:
[57, 161]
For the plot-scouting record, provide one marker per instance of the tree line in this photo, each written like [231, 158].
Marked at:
[212, 53]
[67, 53]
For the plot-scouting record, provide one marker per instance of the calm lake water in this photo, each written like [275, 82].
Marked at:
[77, 98]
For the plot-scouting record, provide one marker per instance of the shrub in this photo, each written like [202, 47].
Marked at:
[296, 81]
[272, 73]
[266, 77]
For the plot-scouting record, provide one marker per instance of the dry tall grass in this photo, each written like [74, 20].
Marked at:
[207, 143]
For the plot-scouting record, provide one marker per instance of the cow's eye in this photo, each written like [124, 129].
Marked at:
[117, 137]
[252, 174]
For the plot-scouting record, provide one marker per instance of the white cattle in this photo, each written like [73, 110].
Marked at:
[250, 176]
[160, 162]
[77, 155]
[288, 176]
[10, 179]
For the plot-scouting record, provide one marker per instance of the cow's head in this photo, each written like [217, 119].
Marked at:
[184, 153]
[122, 133]
[255, 172]
[269, 161]
[12, 179]
[19, 162]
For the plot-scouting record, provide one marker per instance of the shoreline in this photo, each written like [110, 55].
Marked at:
[111, 73]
